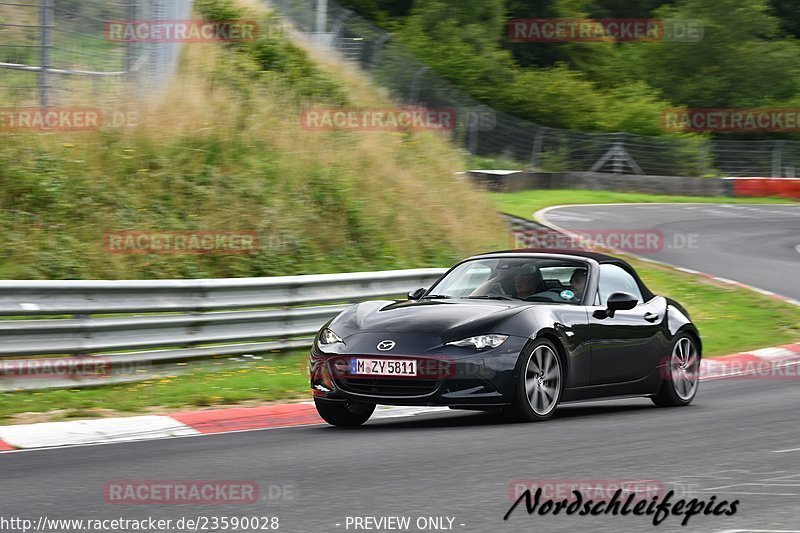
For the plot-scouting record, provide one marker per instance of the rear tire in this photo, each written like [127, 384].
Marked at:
[344, 414]
[681, 375]
[540, 383]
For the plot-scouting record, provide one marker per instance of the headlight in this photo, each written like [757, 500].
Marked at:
[327, 337]
[481, 342]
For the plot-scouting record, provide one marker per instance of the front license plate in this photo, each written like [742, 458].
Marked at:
[383, 367]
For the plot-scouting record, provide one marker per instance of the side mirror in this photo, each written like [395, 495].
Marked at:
[416, 294]
[619, 301]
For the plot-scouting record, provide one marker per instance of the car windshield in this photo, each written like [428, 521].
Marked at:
[528, 279]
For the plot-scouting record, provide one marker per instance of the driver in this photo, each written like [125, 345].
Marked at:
[578, 282]
[527, 283]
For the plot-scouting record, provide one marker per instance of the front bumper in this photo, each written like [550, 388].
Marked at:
[447, 376]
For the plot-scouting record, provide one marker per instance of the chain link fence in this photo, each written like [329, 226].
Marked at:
[487, 132]
[57, 52]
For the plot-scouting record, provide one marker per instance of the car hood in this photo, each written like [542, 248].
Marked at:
[446, 319]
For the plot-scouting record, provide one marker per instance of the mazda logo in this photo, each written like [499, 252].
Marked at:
[385, 346]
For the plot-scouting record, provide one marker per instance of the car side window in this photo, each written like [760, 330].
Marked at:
[615, 279]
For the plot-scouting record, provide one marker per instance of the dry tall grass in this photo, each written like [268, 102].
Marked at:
[204, 156]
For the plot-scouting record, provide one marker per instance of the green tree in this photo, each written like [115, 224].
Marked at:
[461, 41]
[742, 60]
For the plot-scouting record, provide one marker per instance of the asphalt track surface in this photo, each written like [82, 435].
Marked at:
[730, 443]
[754, 244]
[739, 440]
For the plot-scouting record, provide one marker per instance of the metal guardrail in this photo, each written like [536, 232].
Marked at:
[182, 319]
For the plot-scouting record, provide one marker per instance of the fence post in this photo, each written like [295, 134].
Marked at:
[376, 53]
[46, 50]
[702, 159]
[415, 85]
[321, 22]
[777, 157]
[472, 138]
[129, 45]
[537, 147]
[619, 162]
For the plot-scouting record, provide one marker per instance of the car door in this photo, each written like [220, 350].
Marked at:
[625, 347]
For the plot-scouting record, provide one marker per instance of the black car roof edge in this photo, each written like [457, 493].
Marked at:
[597, 256]
[647, 294]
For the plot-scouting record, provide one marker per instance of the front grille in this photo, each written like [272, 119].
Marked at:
[388, 387]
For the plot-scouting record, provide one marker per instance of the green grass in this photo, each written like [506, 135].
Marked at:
[276, 377]
[525, 203]
[223, 149]
[477, 162]
[730, 319]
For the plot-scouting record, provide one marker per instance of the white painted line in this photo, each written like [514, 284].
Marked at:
[101, 430]
[571, 218]
[762, 291]
[723, 214]
[774, 354]
[688, 270]
[797, 248]
[787, 451]
[782, 478]
[722, 487]
[760, 531]
[98, 432]
[746, 493]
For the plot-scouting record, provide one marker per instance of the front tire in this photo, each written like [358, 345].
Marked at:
[344, 414]
[681, 375]
[540, 382]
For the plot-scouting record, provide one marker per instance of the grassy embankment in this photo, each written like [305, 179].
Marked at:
[730, 319]
[223, 150]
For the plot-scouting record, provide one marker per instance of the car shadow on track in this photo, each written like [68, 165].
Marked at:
[466, 419]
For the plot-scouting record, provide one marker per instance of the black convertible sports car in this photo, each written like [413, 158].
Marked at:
[519, 331]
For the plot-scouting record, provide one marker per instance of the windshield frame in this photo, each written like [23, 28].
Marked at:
[586, 300]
